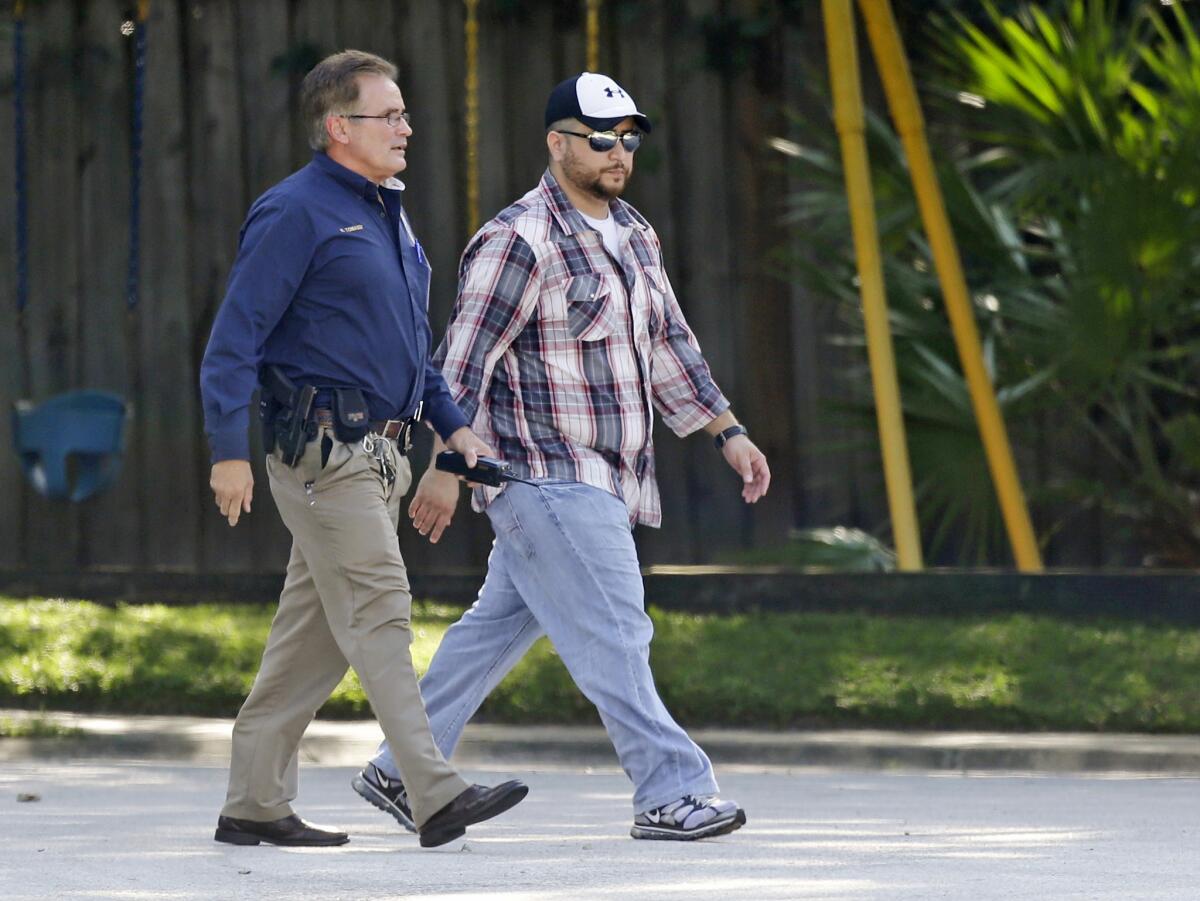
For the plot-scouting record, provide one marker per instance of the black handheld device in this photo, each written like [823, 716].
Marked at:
[487, 471]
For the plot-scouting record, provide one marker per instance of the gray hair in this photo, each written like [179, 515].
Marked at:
[331, 87]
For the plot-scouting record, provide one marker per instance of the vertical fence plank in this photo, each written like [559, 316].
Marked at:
[494, 160]
[263, 83]
[367, 25]
[431, 65]
[315, 27]
[314, 36]
[827, 489]
[169, 415]
[570, 45]
[12, 371]
[526, 88]
[217, 203]
[52, 316]
[261, 36]
[764, 353]
[110, 523]
[703, 275]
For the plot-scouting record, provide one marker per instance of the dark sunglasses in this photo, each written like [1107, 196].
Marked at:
[604, 141]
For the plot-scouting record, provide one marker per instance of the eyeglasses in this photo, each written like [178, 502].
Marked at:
[393, 118]
[604, 141]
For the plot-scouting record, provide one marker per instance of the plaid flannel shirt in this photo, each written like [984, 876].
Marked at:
[557, 352]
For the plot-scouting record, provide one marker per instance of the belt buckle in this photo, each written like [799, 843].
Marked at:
[409, 424]
[404, 438]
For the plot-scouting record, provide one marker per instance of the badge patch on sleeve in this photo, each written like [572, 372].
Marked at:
[351, 228]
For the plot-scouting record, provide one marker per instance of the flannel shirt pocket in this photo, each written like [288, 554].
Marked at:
[589, 307]
[656, 292]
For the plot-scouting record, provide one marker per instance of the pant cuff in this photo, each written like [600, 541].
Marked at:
[435, 802]
[256, 812]
[703, 787]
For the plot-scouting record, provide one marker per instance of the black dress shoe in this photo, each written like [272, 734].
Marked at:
[476, 804]
[286, 831]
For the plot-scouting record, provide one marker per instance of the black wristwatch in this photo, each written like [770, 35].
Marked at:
[728, 433]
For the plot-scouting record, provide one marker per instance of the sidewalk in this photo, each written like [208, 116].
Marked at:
[342, 743]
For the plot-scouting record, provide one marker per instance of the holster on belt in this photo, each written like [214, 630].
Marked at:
[286, 411]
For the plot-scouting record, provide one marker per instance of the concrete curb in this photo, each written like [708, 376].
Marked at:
[341, 743]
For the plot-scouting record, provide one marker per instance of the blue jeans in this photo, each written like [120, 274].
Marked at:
[564, 565]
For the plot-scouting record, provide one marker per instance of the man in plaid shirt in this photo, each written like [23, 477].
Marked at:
[564, 337]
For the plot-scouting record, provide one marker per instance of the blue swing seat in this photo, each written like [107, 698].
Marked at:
[88, 426]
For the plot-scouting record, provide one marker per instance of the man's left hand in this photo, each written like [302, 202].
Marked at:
[748, 461]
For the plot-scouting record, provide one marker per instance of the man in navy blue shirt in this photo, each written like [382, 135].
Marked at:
[327, 305]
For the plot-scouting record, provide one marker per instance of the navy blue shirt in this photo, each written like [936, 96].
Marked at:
[331, 285]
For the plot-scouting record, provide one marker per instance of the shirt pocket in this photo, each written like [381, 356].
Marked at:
[590, 314]
[656, 289]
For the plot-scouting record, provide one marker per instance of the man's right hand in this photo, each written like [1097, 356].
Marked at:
[433, 505]
[232, 483]
[467, 443]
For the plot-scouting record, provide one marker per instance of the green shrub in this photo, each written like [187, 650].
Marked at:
[1072, 183]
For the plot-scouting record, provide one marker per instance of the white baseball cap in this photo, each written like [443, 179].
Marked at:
[595, 100]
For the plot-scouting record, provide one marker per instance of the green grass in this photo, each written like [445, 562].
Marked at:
[767, 670]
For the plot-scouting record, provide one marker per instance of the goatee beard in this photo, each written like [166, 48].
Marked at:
[600, 191]
[577, 175]
[597, 190]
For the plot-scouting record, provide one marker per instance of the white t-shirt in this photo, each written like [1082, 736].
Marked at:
[608, 231]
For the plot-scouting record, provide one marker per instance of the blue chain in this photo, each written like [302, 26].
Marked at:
[135, 156]
[19, 138]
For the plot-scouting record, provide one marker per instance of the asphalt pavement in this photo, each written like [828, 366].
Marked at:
[126, 809]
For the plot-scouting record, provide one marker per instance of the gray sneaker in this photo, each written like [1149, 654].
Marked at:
[688, 819]
[385, 793]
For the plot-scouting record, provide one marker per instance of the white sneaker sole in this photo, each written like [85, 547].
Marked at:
[720, 826]
[377, 798]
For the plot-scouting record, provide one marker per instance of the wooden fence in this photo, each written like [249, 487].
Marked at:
[220, 127]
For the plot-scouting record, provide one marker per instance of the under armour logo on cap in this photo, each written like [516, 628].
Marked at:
[595, 100]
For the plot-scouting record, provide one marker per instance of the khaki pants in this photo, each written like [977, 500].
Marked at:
[345, 601]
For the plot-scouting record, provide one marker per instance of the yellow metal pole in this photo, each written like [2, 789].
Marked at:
[906, 111]
[472, 114]
[593, 35]
[849, 120]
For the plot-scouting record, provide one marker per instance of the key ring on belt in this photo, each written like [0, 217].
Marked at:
[377, 447]
[381, 431]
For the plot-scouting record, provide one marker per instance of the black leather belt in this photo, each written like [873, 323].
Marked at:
[398, 430]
